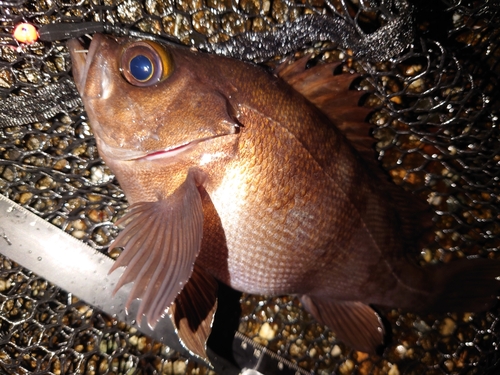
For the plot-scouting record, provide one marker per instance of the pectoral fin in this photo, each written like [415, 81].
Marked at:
[193, 311]
[354, 323]
[161, 241]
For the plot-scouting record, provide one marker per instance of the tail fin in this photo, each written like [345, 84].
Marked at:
[466, 285]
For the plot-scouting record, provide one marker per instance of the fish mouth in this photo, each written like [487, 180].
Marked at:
[172, 152]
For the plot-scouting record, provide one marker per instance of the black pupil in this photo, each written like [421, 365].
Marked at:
[141, 68]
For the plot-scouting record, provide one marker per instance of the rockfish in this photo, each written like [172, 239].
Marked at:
[265, 182]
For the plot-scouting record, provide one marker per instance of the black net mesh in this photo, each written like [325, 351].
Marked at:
[437, 131]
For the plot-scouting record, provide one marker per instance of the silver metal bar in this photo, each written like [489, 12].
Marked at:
[72, 265]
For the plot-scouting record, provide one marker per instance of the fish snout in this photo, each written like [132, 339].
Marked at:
[93, 69]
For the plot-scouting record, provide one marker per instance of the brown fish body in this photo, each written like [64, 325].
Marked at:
[289, 206]
[289, 226]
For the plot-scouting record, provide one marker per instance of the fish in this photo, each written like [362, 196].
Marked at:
[266, 181]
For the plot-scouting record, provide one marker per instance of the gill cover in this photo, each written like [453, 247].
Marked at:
[145, 63]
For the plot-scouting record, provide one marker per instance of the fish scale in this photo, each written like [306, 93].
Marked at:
[266, 243]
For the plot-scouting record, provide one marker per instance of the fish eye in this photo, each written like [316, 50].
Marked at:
[145, 63]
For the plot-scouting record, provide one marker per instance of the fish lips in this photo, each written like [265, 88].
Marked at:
[173, 152]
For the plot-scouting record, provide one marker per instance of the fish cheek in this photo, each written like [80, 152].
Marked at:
[195, 114]
[115, 119]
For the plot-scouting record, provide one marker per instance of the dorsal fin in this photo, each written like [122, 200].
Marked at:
[330, 93]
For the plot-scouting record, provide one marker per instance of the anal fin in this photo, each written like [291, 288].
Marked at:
[193, 311]
[354, 323]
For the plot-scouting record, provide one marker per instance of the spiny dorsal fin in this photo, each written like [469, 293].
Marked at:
[330, 93]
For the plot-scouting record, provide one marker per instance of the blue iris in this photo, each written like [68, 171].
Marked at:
[141, 67]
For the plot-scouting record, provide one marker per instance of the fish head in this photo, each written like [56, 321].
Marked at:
[153, 103]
